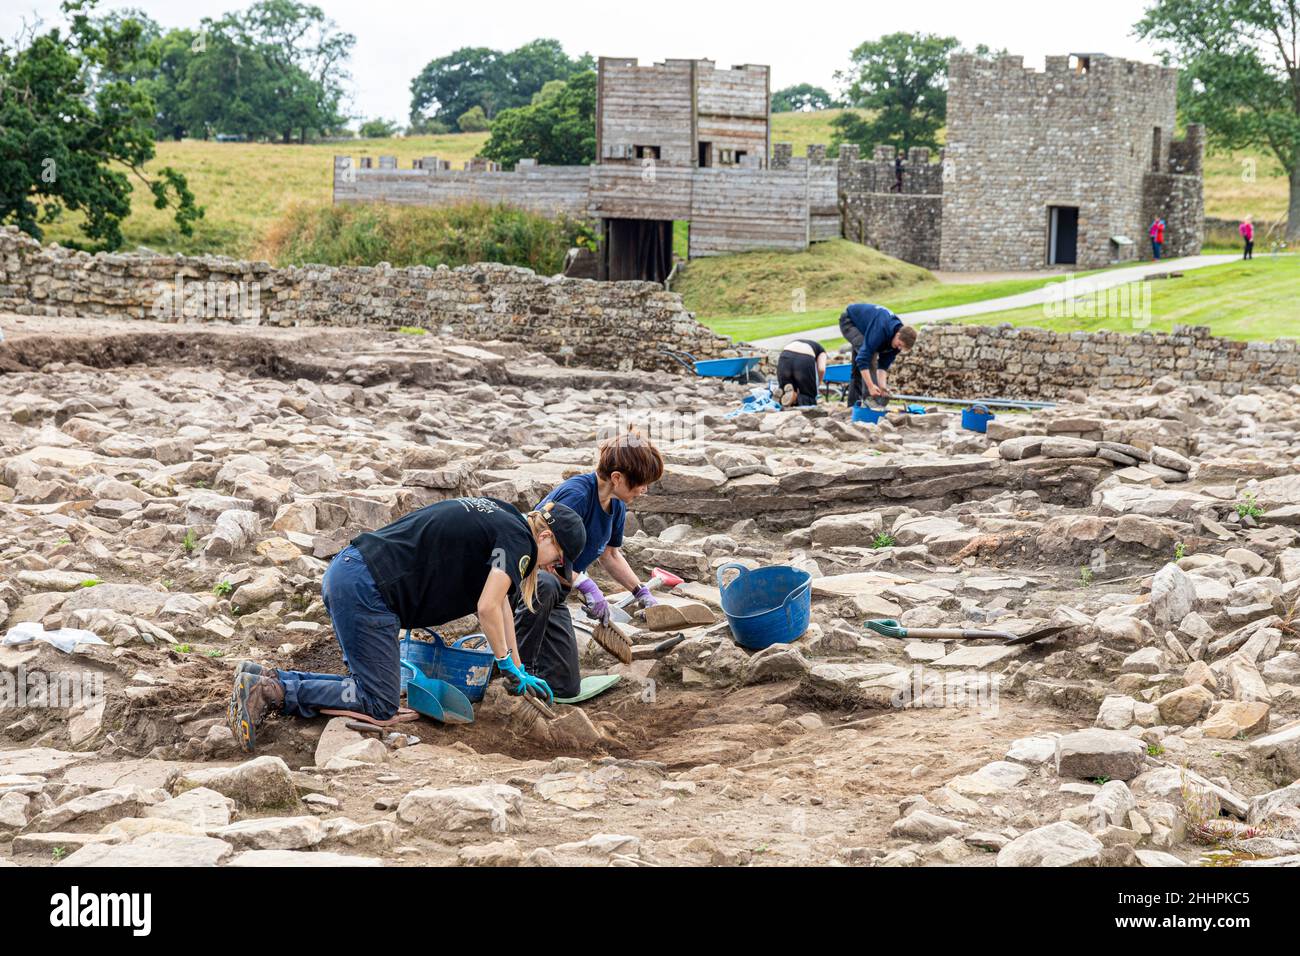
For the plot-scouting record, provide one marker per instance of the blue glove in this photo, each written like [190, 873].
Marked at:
[519, 681]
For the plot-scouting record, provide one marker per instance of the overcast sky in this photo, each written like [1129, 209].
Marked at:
[801, 41]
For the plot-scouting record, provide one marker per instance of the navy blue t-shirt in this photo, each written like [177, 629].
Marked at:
[878, 327]
[604, 528]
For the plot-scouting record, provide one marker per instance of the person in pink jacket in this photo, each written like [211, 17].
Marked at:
[1247, 230]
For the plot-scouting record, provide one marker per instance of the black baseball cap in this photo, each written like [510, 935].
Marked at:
[570, 533]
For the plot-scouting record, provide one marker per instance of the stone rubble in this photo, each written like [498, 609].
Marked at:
[183, 507]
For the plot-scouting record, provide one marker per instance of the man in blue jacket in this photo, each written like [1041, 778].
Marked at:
[876, 336]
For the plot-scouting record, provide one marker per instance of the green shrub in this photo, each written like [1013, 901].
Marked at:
[367, 234]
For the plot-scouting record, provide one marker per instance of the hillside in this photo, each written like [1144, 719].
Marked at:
[246, 187]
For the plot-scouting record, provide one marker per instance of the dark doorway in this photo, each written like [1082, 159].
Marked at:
[706, 155]
[638, 249]
[1063, 238]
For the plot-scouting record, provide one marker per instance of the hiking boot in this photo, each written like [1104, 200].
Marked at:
[250, 700]
[250, 667]
[788, 396]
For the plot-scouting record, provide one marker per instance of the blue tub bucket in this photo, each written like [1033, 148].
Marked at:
[976, 419]
[766, 606]
[467, 668]
[838, 374]
[864, 413]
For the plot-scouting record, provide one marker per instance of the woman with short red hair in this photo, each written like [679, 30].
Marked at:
[626, 466]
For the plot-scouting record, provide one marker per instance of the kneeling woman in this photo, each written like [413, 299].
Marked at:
[625, 468]
[453, 558]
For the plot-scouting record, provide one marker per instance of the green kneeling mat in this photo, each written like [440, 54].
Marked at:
[591, 686]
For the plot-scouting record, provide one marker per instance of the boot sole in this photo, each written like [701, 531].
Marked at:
[237, 716]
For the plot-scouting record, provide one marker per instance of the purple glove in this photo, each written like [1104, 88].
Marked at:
[597, 607]
[643, 596]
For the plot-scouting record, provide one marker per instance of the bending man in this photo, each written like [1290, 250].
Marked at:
[876, 336]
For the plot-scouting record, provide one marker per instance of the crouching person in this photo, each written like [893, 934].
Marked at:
[626, 466]
[800, 368]
[445, 561]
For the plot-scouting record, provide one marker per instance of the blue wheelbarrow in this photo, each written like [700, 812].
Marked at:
[734, 369]
[838, 375]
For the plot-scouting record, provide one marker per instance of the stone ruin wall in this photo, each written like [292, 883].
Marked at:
[611, 325]
[979, 361]
[616, 325]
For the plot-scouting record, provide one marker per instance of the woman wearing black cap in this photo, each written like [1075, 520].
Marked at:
[452, 558]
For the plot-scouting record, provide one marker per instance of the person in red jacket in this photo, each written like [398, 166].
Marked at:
[1157, 235]
[1247, 230]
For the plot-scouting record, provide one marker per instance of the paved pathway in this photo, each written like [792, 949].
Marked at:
[1081, 286]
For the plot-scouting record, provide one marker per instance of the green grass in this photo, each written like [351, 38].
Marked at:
[247, 187]
[365, 234]
[1253, 301]
[707, 290]
[801, 129]
[827, 275]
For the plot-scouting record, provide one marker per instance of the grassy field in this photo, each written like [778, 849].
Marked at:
[801, 129]
[751, 296]
[1253, 301]
[246, 187]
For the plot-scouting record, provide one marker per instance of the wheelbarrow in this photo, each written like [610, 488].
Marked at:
[733, 369]
[436, 698]
[891, 628]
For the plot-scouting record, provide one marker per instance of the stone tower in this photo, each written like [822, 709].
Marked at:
[1066, 166]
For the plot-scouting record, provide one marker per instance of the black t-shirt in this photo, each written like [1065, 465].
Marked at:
[431, 565]
[814, 345]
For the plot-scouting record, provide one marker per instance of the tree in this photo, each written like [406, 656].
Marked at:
[73, 129]
[379, 128]
[479, 76]
[472, 120]
[1241, 75]
[902, 81]
[802, 98]
[275, 70]
[559, 129]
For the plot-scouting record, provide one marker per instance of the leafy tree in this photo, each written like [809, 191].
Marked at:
[1241, 75]
[902, 81]
[472, 120]
[273, 70]
[479, 76]
[379, 128]
[559, 129]
[73, 128]
[801, 98]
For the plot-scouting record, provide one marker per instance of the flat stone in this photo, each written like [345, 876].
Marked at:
[153, 849]
[300, 858]
[1090, 754]
[1057, 844]
[493, 807]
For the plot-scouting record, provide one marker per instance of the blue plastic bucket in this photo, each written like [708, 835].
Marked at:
[976, 419]
[766, 606]
[864, 413]
[468, 669]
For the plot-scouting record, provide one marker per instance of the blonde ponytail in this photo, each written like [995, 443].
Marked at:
[528, 586]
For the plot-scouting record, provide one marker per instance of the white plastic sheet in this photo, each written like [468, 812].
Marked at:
[65, 639]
